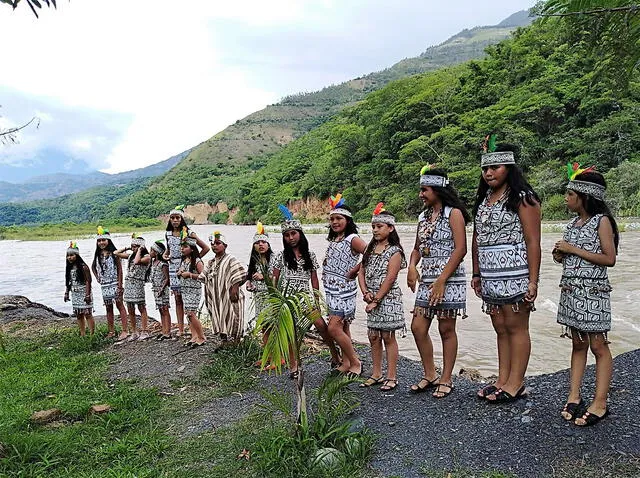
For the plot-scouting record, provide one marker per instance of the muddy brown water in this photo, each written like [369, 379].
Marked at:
[36, 269]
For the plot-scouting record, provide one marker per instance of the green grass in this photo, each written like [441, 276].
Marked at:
[66, 230]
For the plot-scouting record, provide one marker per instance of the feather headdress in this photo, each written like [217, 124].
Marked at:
[289, 222]
[337, 202]
[378, 209]
[178, 210]
[492, 158]
[261, 234]
[383, 218]
[137, 240]
[103, 233]
[217, 236]
[73, 248]
[427, 179]
[489, 143]
[585, 187]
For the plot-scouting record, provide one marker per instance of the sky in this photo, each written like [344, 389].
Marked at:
[120, 84]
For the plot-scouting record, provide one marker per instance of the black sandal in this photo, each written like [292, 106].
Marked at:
[488, 390]
[441, 393]
[371, 381]
[387, 388]
[572, 410]
[294, 375]
[416, 388]
[506, 397]
[590, 418]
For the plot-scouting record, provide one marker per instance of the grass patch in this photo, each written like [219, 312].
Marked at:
[606, 465]
[66, 230]
[462, 473]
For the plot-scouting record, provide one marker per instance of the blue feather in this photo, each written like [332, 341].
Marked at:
[340, 203]
[285, 212]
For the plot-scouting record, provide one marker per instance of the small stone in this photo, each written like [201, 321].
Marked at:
[392, 424]
[46, 416]
[56, 424]
[526, 419]
[527, 411]
[181, 368]
[568, 432]
[101, 408]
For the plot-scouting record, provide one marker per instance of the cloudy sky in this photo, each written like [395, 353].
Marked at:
[122, 84]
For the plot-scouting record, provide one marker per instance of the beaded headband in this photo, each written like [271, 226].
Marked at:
[289, 222]
[217, 236]
[382, 218]
[159, 247]
[73, 248]
[261, 234]
[178, 210]
[336, 202]
[103, 233]
[137, 240]
[427, 179]
[585, 187]
[492, 158]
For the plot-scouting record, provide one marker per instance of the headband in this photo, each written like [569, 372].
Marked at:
[261, 234]
[137, 240]
[336, 202]
[217, 236]
[432, 179]
[585, 187]
[492, 158]
[178, 210]
[103, 233]
[159, 247]
[73, 248]
[289, 222]
[382, 218]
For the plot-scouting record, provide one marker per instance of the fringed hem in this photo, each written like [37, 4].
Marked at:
[494, 309]
[430, 312]
[381, 333]
[344, 317]
[83, 310]
[568, 331]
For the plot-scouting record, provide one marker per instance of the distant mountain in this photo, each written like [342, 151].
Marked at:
[60, 184]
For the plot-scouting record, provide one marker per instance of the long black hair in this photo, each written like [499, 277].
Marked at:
[183, 223]
[96, 256]
[193, 257]
[132, 256]
[394, 240]
[595, 206]
[80, 264]
[351, 228]
[290, 256]
[519, 189]
[255, 260]
[448, 195]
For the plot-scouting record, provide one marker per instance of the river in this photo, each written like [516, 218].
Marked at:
[35, 269]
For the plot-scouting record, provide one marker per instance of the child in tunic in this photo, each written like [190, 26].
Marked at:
[108, 271]
[78, 284]
[160, 285]
[588, 247]
[191, 288]
[440, 246]
[339, 271]
[506, 264]
[138, 262]
[381, 263]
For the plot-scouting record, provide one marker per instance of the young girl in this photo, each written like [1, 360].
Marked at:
[160, 284]
[588, 247]
[138, 261]
[261, 253]
[381, 263]
[78, 282]
[108, 271]
[506, 264]
[298, 266]
[441, 244]
[339, 270]
[191, 288]
[176, 229]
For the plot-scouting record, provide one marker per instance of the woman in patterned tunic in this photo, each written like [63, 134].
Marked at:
[506, 264]
[138, 262]
[191, 289]
[339, 270]
[588, 247]
[177, 229]
[298, 267]
[78, 283]
[108, 271]
[259, 261]
[441, 244]
[160, 285]
[381, 263]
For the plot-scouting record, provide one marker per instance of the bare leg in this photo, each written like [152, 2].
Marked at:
[179, 312]
[578, 365]
[197, 334]
[81, 325]
[350, 360]
[145, 317]
[123, 319]
[132, 317]
[391, 346]
[504, 352]
[321, 327]
[376, 355]
[447, 329]
[420, 330]
[110, 320]
[604, 370]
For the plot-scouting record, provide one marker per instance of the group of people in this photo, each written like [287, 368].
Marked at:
[506, 256]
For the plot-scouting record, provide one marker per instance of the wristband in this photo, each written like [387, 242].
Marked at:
[476, 274]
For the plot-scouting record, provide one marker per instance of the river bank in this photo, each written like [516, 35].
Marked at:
[417, 435]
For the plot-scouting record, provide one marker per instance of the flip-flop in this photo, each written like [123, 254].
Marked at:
[371, 381]
[590, 418]
[441, 393]
[488, 390]
[416, 388]
[572, 410]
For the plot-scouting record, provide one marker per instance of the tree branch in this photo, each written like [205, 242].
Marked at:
[8, 135]
[598, 11]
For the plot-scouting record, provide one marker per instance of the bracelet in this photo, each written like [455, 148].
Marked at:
[476, 274]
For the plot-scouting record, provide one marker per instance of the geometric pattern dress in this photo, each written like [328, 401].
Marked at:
[78, 291]
[107, 274]
[157, 281]
[585, 302]
[134, 283]
[435, 242]
[190, 289]
[175, 257]
[502, 255]
[340, 292]
[389, 314]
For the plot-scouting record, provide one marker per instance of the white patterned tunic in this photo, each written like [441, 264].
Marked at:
[585, 302]
[134, 283]
[435, 242]
[389, 314]
[175, 257]
[78, 292]
[157, 281]
[191, 289]
[107, 274]
[295, 280]
[502, 253]
[340, 292]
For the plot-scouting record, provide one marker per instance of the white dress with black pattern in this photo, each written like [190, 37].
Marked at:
[295, 280]
[190, 289]
[585, 302]
[134, 283]
[175, 258]
[157, 280]
[389, 314]
[502, 253]
[107, 273]
[340, 292]
[435, 242]
[78, 292]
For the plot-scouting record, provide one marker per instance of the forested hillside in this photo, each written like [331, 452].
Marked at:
[217, 169]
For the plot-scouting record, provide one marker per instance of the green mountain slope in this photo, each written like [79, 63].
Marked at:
[217, 169]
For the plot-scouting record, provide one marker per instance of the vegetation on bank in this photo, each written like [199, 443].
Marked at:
[64, 230]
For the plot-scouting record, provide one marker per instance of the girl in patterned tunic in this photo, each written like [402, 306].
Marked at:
[441, 244]
[261, 253]
[506, 264]
[588, 247]
[191, 288]
[381, 263]
[160, 286]
[339, 271]
[108, 271]
[298, 267]
[78, 283]
[138, 261]
[177, 229]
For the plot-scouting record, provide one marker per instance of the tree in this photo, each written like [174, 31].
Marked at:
[8, 136]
